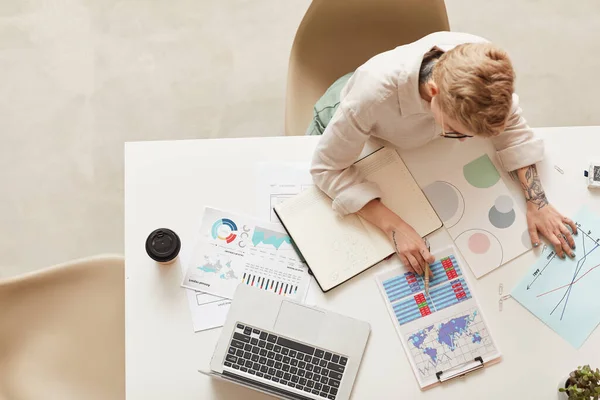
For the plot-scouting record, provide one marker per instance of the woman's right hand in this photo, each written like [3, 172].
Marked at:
[410, 247]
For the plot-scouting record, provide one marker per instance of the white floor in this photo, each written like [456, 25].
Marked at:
[80, 77]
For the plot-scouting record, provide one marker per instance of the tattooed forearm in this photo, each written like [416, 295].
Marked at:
[532, 187]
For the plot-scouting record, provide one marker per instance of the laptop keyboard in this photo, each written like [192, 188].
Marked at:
[284, 361]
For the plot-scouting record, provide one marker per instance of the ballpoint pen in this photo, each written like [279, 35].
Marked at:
[426, 272]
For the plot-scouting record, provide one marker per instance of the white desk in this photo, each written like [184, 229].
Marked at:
[167, 184]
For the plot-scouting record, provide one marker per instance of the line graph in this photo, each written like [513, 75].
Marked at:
[563, 292]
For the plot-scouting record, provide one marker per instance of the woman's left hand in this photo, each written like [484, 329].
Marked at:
[552, 225]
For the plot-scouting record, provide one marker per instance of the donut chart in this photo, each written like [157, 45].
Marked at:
[224, 229]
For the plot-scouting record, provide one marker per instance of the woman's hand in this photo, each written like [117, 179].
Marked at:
[409, 246]
[552, 225]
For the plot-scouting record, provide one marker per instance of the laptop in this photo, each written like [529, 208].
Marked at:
[287, 349]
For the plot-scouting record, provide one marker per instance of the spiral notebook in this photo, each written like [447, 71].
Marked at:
[338, 248]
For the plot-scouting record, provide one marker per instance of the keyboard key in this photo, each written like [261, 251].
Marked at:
[293, 353]
[315, 391]
[277, 349]
[335, 375]
[335, 358]
[240, 353]
[286, 368]
[343, 361]
[306, 389]
[286, 359]
[270, 355]
[295, 378]
[300, 356]
[283, 382]
[301, 372]
[256, 367]
[237, 344]
[299, 386]
[279, 374]
[241, 361]
[326, 388]
[256, 331]
[259, 374]
[252, 372]
[256, 350]
[323, 394]
[262, 344]
[324, 379]
[275, 379]
[278, 357]
[285, 351]
[268, 377]
[334, 383]
[249, 363]
[227, 364]
[317, 370]
[291, 384]
[272, 371]
[333, 391]
[323, 363]
[247, 331]
[328, 356]
[331, 397]
[295, 345]
[319, 353]
[242, 338]
[325, 372]
[255, 357]
[309, 375]
[287, 376]
[247, 355]
[310, 384]
[309, 367]
[240, 326]
[294, 362]
[263, 352]
[244, 369]
[303, 381]
[231, 351]
[301, 365]
[231, 358]
[272, 338]
[263, 336]
[315, 361]
[235, 366]
[248, 347]
[270, 346]
[264, 369]
[335, 367]
[270, 363]
[294, 370]
[278, 365]
[318, 386]
[262, 360]
[254, 341]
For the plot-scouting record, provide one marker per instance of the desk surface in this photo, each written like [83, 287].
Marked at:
[167, 184]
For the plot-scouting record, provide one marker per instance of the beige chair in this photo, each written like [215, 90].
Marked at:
[337, 36]
[62, 332]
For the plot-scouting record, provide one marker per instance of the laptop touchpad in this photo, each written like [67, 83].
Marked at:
[298, 321]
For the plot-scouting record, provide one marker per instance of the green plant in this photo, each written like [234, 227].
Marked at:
[583, 384]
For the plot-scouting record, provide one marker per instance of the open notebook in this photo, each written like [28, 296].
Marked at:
[337, 248]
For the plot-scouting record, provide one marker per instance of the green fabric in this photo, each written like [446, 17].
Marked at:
[326, 106]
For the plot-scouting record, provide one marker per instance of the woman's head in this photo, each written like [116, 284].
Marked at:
[471, 89]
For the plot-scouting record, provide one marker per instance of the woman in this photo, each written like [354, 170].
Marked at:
[448, 84]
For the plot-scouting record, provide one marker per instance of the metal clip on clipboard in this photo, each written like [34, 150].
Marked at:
[459, 371]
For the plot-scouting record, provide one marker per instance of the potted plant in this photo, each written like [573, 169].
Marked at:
[581, 384]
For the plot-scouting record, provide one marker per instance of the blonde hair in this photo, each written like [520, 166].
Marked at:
[476, 83]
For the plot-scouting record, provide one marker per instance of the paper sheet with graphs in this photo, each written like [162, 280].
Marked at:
[441, 331]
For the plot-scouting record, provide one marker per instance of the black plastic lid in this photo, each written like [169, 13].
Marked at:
[163, 245]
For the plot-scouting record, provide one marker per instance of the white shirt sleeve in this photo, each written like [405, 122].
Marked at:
[518, 146]
[341, 144]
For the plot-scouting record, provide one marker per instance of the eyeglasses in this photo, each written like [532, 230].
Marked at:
[452, 135]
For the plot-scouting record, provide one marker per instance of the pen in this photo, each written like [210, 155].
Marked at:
[426, 272]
